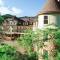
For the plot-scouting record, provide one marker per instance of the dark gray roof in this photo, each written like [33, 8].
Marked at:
[51, 6]
[30, 19]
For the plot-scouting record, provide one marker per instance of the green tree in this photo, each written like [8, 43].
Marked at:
[7, 16]
[1, 20]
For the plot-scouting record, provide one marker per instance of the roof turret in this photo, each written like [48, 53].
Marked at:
[51, 6]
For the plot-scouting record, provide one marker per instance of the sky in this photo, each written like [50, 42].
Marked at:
[21, 7]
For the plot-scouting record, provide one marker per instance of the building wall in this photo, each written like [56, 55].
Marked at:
[35, 24]
[11, 21]
[52, 19]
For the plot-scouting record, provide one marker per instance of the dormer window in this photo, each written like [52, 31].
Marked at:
[45, 19]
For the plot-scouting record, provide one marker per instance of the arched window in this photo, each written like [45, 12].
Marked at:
[45, 19]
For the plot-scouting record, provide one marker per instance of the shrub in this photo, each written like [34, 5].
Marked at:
[6, 52]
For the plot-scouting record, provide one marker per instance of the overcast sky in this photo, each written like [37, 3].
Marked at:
[21, 7]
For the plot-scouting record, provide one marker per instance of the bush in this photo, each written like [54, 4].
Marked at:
[6, 52]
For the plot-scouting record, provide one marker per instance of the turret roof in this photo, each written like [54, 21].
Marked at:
[51, 6]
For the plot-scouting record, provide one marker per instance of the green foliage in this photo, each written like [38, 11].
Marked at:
[54, 36]
[38, 38]
[45, 55]
[5, 48]
[33, 56]
[58, 55]
[6, 16]
[1, 20]
[26, 40]
[6, 52]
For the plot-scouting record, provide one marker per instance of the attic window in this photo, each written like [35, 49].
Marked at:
[45, 19]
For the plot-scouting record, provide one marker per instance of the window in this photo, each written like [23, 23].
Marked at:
[14, 23]
[45, 19]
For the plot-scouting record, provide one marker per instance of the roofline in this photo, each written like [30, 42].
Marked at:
[49, 12]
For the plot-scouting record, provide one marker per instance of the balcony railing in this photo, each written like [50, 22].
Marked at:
[20, 29]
